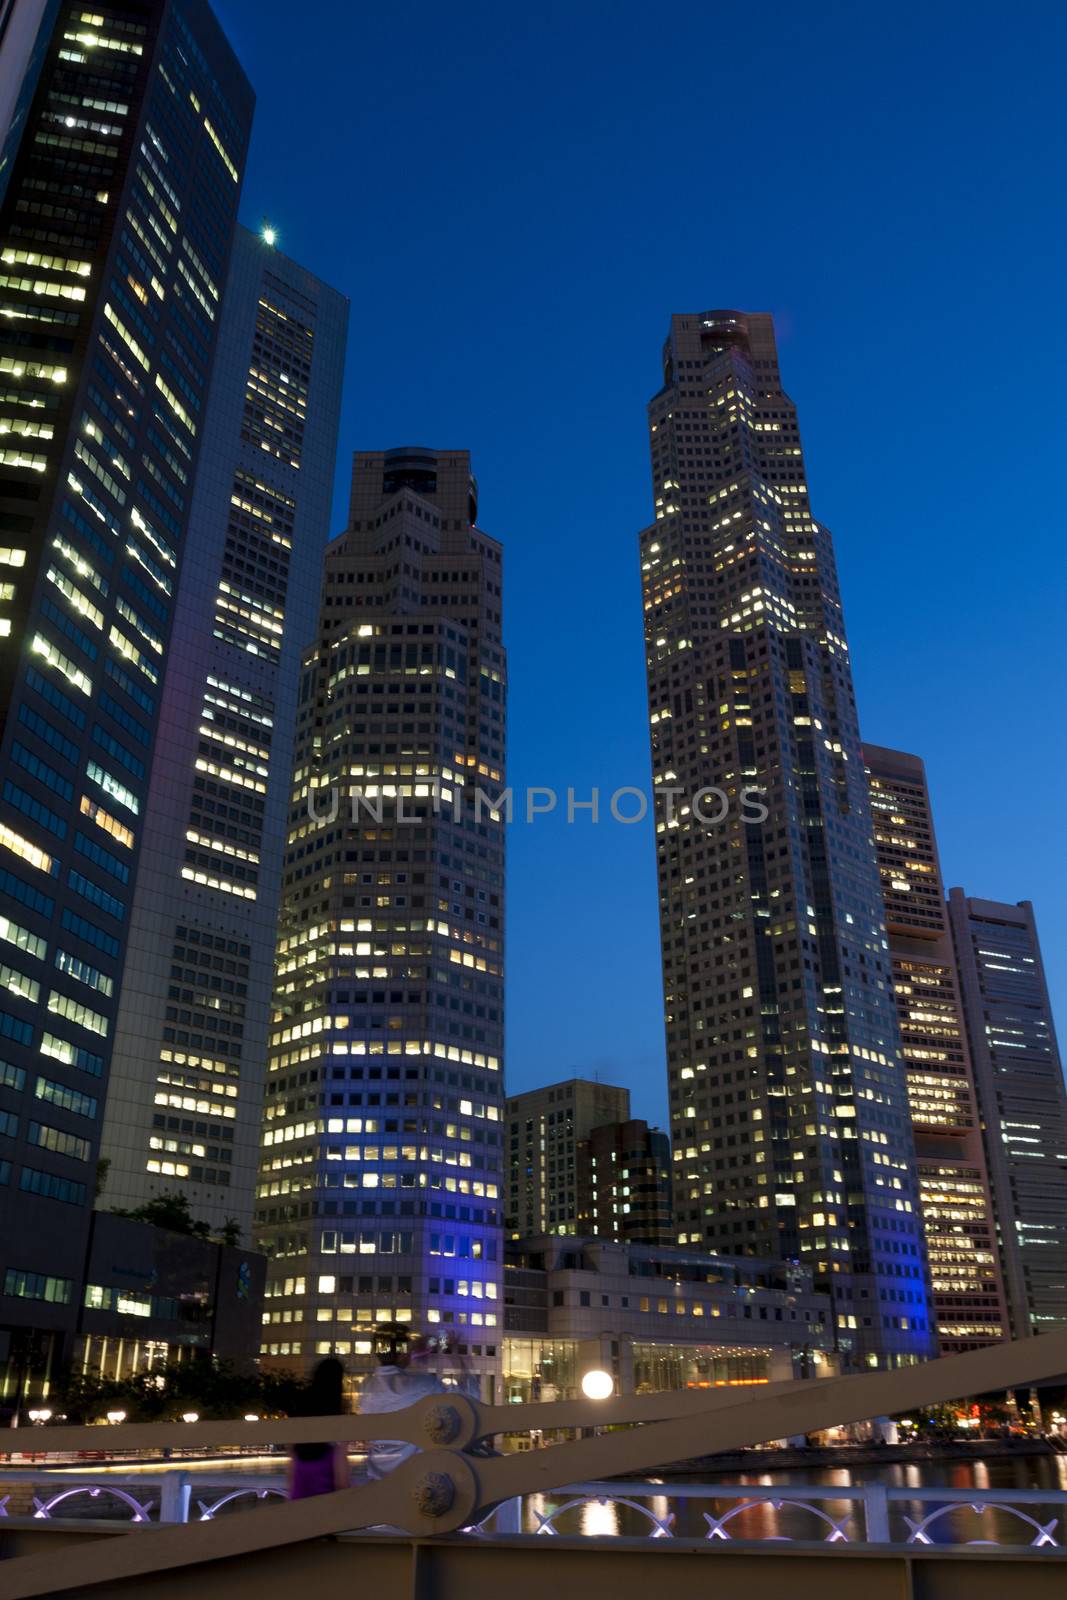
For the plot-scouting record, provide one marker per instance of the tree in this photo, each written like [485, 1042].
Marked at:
[169, 1211]
[213, 1389]
[230, 1232]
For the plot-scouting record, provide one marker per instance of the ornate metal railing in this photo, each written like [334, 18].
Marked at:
[859, 1513]
[835, 1514]
[446, 1488]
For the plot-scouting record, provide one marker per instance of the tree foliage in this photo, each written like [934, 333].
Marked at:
[171, 1211]
[215, 1390]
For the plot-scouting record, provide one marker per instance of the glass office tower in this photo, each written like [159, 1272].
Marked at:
[1018, 1076]
[957, 1209]
[120, 181]
[380, 1194]
[789, 1113]
[186, 1086]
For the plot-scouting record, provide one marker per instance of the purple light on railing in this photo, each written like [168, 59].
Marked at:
[44, 1508]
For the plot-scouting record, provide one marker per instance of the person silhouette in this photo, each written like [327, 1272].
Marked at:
[320, 1468]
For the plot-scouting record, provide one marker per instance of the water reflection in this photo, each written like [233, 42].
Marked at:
[598, 1520]
[788, 1514]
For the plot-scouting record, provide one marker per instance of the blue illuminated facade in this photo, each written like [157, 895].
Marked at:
[789, 1105]
[381, 1180]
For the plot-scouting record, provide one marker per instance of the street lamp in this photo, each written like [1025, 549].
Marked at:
[598, 1385]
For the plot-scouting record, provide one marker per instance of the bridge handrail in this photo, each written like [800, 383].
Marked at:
[409, 1425]
[444, 1488]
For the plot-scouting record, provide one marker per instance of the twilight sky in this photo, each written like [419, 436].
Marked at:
[515, 201]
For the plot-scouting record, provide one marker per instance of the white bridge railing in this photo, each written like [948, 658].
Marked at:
[450, 1485]
[872, 1513]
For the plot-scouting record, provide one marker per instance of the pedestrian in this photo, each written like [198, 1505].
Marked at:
[320, 1468]
[395, 1386]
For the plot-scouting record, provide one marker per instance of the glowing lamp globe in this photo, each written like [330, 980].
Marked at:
[598, 1385]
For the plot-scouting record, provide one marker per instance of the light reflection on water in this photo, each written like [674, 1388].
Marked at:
[598, 1520]
[991, 1478]
[994, 1478]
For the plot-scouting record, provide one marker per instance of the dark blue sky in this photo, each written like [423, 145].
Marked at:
[516, 200]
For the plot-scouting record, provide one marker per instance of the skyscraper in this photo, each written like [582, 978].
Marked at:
[953, 1184]
[545, 1127]
[185, 1092]
[121, 177]
[380, 1187]
[1021, 1097]
[789, 1112]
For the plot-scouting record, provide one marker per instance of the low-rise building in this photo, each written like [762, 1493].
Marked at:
[655, 1318]
[153, 1296]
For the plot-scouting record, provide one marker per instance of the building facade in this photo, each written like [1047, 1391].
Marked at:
[185, 1091]
[120, 182]
[156, 1297]
[656, 1319]
[545, 1128]
[957, 1208]
[624, 1184]
[789, 1114]
[1018, 1076]
[384, 1109]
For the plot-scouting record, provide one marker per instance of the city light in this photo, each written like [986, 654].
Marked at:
[597, 1385]
[204, 779]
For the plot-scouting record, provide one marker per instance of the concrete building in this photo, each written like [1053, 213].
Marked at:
[545, 1128]
[957, 1209]
[153, 1296]
[384, 1106]
[1018, 1076]
[655, 1318]
[185, 1093]
[624, 1184]
[789, 1113]
[119, 185]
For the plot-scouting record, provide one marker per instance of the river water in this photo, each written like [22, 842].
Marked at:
[779, 1516]
[771, 1503]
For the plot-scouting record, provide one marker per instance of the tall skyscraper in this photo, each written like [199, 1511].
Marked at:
[1021, 1097]
[789, 1112]
[121, 177]
[953, 1184]
[384, 1107]
[185, 1093]
[545, 1126]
